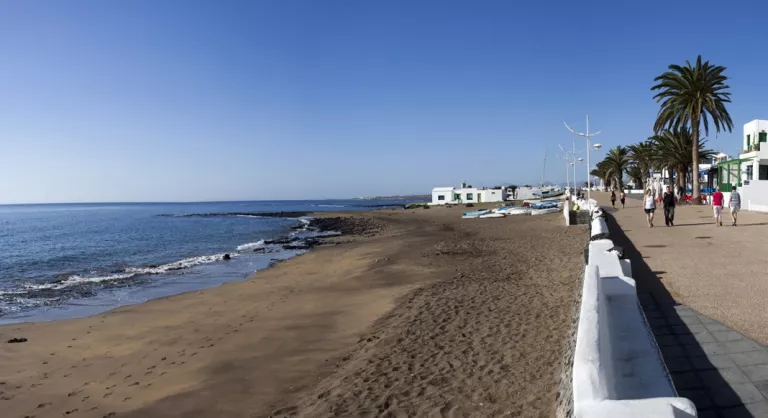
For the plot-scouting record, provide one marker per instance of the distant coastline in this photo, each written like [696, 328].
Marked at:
[403, 197]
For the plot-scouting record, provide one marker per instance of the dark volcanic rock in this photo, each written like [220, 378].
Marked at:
[305, 244]
[16, 340]
[280, 241]
[227, 257]
[348, 225]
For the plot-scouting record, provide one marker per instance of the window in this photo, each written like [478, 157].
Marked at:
[763, 137]
[763, 172]
[441, 197]
[750, 170]
[469, 196]
[456, 196]
[748, 141]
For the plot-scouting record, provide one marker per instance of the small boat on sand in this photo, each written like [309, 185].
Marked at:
[475, 214]
[492, 215]
[544, 211]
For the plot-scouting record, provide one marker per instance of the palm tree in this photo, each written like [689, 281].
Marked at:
[599, 172]
[637, 175]
[690, 95]
[674, 151]
[642, 156]
[616, 164]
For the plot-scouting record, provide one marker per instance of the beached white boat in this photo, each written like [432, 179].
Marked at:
[519, 211]
[544, 211]
[475, 214]
[548, 193]
[492, 215]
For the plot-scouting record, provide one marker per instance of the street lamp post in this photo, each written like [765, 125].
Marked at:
[588, 136]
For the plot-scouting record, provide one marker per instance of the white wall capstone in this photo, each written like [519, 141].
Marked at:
[599, 228]
[617, 368]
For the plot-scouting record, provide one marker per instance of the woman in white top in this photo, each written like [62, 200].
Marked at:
[649, 205]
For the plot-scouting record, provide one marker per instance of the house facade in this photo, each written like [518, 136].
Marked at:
[749, 172]
[467, 194]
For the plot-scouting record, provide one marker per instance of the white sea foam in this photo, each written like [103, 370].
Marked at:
[177, 265]
[250, 245]
[129, 272]
[76, 280]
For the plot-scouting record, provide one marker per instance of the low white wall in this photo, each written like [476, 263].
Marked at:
[617, 368]
[599, 227]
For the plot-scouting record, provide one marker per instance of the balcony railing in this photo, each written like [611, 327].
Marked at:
[752, 147]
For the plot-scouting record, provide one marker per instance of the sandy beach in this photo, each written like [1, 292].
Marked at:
[422, 314]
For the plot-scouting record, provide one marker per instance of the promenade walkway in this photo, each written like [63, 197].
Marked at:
[704, 291]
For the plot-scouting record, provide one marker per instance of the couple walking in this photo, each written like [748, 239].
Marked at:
[649, 205]
[734, 204]
[613, 198]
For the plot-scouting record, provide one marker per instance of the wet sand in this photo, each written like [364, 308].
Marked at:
[430, 316]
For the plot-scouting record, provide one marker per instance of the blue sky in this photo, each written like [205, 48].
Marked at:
[202, 100]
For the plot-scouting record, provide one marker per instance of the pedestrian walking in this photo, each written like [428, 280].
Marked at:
[613, 198]
[649, 206]
[717, 206]
[669, 207]
[622, 197]
[735, 204]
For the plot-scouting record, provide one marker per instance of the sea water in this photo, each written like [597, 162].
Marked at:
[69, 260]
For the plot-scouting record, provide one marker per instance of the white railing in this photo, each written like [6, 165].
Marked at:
[617, 369]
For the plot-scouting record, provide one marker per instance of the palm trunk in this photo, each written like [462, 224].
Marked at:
[681, 174]
[696, 200]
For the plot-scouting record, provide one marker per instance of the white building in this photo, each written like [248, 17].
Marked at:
[749, 172]
[467, 194]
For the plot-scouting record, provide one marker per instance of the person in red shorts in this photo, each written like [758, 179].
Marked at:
[717, 206]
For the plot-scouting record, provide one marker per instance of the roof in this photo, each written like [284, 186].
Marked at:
[442, 189]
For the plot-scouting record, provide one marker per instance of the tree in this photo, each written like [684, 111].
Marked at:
[616, 164]
[599, 172]
[690, 96]
[674, 151]
[637, 175]
[642, 156]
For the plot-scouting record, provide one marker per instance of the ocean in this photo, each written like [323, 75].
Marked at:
[71, 260]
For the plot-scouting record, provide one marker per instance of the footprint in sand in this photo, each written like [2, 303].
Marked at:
[43, 405]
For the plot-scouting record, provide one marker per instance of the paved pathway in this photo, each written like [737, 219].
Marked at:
[721, 370]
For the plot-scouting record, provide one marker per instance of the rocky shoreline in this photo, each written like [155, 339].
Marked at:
[324, 228]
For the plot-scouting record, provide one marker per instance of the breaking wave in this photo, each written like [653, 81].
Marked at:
[251, 245]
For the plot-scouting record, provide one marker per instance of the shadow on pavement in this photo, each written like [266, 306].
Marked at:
[701, 354]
